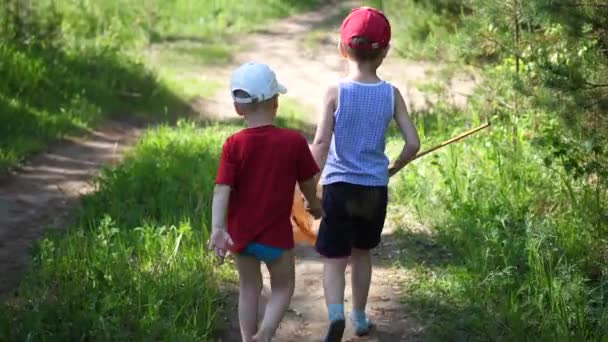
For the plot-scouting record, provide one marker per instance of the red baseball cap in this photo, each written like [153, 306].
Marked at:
[368, 23]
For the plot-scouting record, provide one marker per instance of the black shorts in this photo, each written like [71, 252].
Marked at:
[353, 216]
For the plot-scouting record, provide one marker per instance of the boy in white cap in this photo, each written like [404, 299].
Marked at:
[258, 171]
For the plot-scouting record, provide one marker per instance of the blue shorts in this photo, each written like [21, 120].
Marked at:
[262, 252]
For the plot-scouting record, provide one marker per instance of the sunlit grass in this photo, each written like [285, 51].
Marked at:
[77, 63]
[517, 268]
[295, 115]
[135, 265]
[192, 55]
[189, 84]
[48, 93]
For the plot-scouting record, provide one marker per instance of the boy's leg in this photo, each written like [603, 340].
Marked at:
[361, 266]
[282, 282]
[333, 287]
[367, 236]
[333, 280]
[334, 243]
[250, 283]
[262, 303]
[361, 276]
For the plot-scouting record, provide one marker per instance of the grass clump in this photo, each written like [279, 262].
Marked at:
[293, 114]
[134, 265]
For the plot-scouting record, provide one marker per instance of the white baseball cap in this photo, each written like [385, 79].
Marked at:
[257, 80]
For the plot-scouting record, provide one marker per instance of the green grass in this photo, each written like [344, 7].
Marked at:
[67, 65]
[422, 32]
[516, 252]
[48, 93]
[193, 55]
[515, 247]
[134, 266]
[295, 115]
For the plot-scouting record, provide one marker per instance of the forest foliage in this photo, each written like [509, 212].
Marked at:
[523, 209]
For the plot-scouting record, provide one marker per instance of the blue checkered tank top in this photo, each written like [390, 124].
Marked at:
[356, 154]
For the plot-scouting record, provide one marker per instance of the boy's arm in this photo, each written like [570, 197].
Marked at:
[408, 131]
[325, 128]
[220, 241]
[309, 190]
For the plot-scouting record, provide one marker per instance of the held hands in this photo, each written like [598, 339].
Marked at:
[220, 242]
[314, 208]
[316, 211]
[392, 170]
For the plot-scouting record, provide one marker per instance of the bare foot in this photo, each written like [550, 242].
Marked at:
[262, 336]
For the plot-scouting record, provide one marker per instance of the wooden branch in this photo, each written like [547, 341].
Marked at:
[453, 140]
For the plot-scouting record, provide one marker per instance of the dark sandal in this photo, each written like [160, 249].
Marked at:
[365, 331]
[335, 331]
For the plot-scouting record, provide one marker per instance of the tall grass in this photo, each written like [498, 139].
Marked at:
[527, 257]
[134, 265]
[518, 214]
[67, 64]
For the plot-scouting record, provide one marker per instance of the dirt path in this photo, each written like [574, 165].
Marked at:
[40, 195]
[306, 319]
[302, 50]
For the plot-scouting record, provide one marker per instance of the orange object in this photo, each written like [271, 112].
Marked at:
[302, 222]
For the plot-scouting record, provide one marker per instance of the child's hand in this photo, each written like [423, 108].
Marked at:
[315, 209]
[392, 170]
[396, 167]
[220, 242]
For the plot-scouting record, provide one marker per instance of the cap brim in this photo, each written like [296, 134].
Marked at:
[282, 90]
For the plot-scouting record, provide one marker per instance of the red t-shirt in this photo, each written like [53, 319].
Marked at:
[262, 166]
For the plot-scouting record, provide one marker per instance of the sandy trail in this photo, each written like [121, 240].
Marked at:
[303, 52]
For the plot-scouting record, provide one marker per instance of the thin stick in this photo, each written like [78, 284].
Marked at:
[452, 140]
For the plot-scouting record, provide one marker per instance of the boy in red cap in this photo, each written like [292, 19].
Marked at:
[251, 215]
[350, 142]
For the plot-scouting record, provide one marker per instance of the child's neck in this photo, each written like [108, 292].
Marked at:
[363, 73]
[259, 119]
